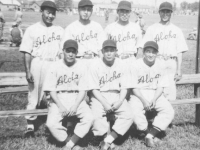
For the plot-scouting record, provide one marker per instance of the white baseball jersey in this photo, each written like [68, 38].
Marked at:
[89, 37]
[60, 77]
[42, 41]
[169, 38]
[107, 78]
[145, 77]
[128, 37]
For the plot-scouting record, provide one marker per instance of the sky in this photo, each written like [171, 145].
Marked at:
[147, 2]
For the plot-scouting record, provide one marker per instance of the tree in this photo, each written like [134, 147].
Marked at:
[63, 3]
[175, 5]
[184, 5]
[194, 6]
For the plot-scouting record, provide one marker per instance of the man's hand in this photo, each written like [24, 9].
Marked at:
[72, 111]
[178, 76]
[153, 104]
[29, 77]
[116, 105]
[147, 105]
[63, 110]
[107, 108]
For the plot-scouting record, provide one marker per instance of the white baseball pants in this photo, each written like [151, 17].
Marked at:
[38, 70]
[54, 119]
[123, 114]
[170, 91]
[165, 111]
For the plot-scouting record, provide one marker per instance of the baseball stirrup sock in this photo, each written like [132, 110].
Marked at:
[154, 131]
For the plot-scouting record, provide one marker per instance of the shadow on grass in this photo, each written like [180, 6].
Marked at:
[182, 124]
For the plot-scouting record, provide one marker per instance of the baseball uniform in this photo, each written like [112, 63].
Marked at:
[128, 37]
[109, 81]
[170, 40]
[147, 80]
[43, 44]
[89, 37]
[67, 82]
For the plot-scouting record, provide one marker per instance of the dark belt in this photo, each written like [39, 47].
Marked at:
[72, 91]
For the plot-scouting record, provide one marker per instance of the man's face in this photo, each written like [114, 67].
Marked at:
[85, 12]
[109, 53]
[150, 54]
[165, 15]
[48, 15]
[124, 15]
[70, 55]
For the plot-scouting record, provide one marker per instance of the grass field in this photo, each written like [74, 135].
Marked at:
[183, 136]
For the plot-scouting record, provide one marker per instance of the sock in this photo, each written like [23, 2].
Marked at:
[70, 144]
[30, 126]
[73, 141]
[111, 137]
[154, 131]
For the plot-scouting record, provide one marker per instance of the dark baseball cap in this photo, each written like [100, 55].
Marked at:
[70, 44]
[109, 43]
[151, 44]
[48, 4]
[83, 3]
[124, 5]
[166, 6]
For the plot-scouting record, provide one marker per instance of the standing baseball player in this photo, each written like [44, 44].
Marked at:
[148, 79]
[89, 34]
[18, 14]
[126, 33]
[172, 45]
[66, 82]
[41, 47]
[108, 82]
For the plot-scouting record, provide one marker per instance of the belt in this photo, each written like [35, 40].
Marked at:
[87, 56]
[47, 59]
[111, 91]
[72, 91]
[167, 57]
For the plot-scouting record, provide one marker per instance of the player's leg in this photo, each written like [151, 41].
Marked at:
[54, 123]
[139, 116]
[170, 91]
[82, 128]
[163, 118]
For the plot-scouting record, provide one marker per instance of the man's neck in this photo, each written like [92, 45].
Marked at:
[69, 64]
[108, 63]
[164, 22]
[84, 22]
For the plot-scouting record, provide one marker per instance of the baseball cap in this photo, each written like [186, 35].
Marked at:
[70, 44]
[166, 5]
[85, 3]
[151, 44]
[124, 5]
[48, 4]
[109, 43]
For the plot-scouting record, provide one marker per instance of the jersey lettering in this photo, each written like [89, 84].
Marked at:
[45, 39]
[65, 79]
[103, 80]
[147, 79]
[161, 36]
[119, 37]
[84, 37]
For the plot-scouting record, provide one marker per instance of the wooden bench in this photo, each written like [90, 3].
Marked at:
[18, 79]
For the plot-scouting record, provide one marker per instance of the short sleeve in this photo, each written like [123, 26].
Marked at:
[133, 76]
[126, 78]
[27, 42]
[83, 84]
[93, 78]
[50, 82]
[181, 43]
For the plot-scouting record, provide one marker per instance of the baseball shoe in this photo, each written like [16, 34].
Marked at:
[149, 142]
[157, 141]
[104, 146]
[29, 132]
[76, 147]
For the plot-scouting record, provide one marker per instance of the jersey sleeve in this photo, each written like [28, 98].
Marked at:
[93, 82]
[181, 43]
[50, 82]
[27, 42]
[125, 78]
[133, 77]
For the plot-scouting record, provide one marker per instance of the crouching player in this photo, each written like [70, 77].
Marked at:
[149, 79]
[66, 83]
[107, 80]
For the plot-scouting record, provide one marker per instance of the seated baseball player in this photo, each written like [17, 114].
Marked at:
[148, 79]
[109, 88]
[66, 84]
